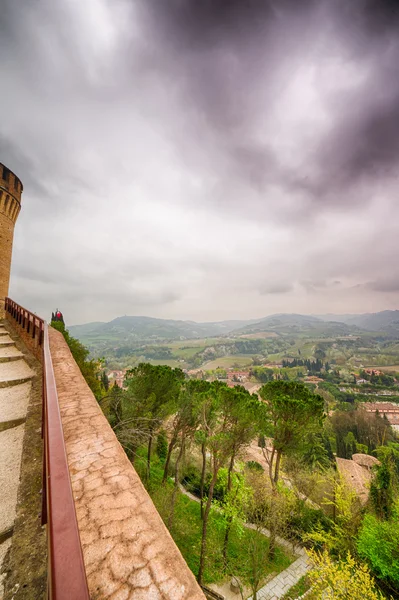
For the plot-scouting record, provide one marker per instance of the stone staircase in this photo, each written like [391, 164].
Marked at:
[15, 388]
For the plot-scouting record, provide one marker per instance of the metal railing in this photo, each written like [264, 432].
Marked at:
[32, 325]
[66, 572]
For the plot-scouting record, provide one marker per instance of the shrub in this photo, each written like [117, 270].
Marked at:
[254, 465]
[162, 444]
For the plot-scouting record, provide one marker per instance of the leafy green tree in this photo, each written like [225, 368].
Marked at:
[115, 405]
[315, 453]
[105, 381]
[340, 538]
[290, 411]
[390, 455]
[156, 388]
[262, 374]
[222, 436]
[162, 444]
[270, 509]
[341, 580]
[187, 415]
[208, 421]
[381, 493]
[242, 411]
[350, 444]
[378, 545]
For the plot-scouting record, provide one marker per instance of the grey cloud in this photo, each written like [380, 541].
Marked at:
[19, 162]
[384, 285]
[313, 285]
[175, 152]
[275, 288]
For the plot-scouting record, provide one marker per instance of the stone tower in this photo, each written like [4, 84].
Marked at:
[10, 205]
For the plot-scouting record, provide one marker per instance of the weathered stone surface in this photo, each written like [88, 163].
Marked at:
[9, 353]
[14, 372]
[14, 401]
[128, 552]
[10, 464]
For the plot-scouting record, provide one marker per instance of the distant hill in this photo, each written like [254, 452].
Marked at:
[297, 324]
[386, 321]
[130, 329]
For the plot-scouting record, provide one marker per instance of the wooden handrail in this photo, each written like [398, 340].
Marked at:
[66, 572]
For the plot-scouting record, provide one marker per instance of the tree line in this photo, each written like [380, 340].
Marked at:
[313, 366]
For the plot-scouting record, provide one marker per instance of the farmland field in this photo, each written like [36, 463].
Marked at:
[260, 335]
[228, 361]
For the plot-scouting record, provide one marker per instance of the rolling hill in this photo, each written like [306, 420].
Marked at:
[131, 329]
[293, 324]
[386, 321]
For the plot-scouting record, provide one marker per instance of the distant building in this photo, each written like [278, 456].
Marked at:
[389, 409]
[118, 377]
[240, 376]
[373, 372]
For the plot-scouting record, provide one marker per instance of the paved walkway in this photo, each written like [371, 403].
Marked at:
[279, 585]
[15, 385]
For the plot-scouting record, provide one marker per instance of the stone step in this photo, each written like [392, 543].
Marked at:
[3, 330]
[5, 340]
[9, 353]
[15, 372]
[14, 401]
[10, 465]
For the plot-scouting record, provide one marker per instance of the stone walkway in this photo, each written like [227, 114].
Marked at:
[15, 385]
[279, 585]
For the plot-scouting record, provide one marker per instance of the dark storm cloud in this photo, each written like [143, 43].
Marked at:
[234, 59]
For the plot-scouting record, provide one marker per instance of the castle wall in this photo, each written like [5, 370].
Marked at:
[10, 206]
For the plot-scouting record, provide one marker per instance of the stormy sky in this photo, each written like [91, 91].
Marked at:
[202, 159]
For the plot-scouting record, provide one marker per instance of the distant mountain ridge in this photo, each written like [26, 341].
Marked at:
[386, 321]
[150, 328]
[131, 329]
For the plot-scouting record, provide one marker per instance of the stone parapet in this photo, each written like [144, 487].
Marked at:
[128, 552]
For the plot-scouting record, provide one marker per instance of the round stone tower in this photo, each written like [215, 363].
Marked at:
[10, 205]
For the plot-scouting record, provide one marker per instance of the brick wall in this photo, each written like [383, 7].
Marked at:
[10, 206]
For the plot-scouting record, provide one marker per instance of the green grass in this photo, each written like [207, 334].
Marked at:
[186, 531]
[188, 352]
[302, 586]
[203, 342]
[228, 361]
